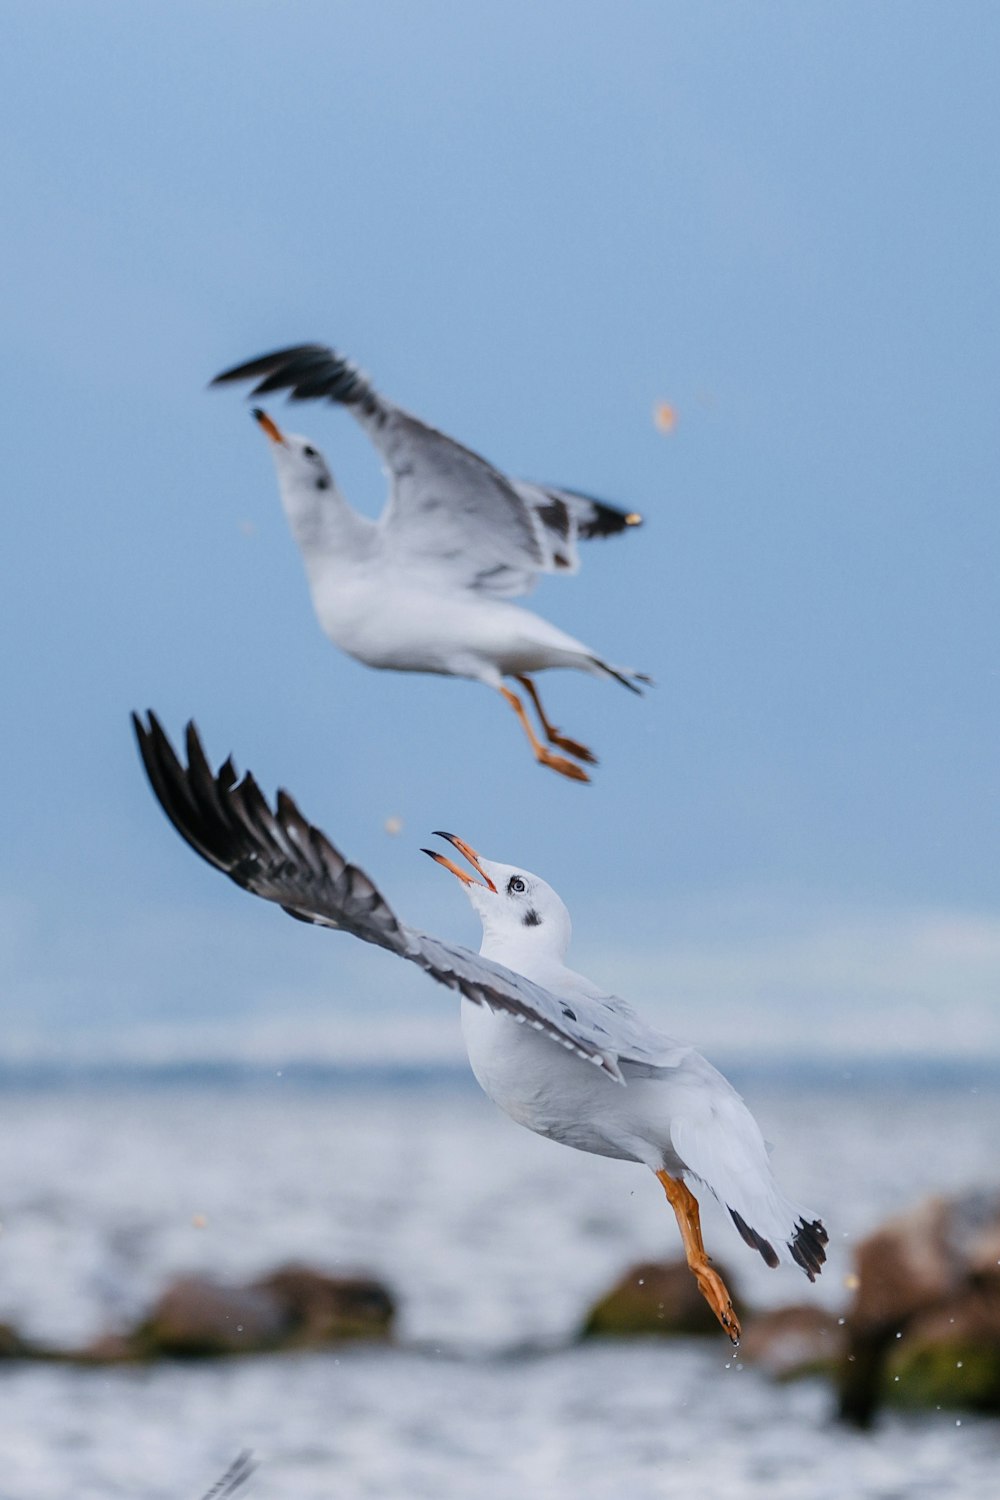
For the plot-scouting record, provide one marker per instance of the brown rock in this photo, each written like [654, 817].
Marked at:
[197, 1316]
[655, 1298]
[904, 1266]
[108, 1349]
[12, 1345]
[321, 1309]
[294, 1307]
[793, 1341]
[914, 1267]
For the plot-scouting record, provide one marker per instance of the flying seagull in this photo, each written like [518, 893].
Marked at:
[425, 587]
[239, 1471]
[585, 1069]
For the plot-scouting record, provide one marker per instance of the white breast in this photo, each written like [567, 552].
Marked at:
[540, 1084]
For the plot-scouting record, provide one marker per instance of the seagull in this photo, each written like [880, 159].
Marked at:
[582, 1067]
[239, 1471]
[425, 587]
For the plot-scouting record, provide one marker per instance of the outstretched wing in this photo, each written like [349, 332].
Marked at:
[275, 853]
[239, 1471]
[452, 516]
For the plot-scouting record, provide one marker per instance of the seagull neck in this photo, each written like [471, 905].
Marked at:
[525, 953]
[324, 525]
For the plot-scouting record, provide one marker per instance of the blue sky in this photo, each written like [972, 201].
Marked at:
[529, 223]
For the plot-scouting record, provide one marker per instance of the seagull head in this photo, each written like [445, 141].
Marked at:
[309, 494]
[299, 462]
[516, 908]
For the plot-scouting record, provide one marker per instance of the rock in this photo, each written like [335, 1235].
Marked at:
[292, 1308]
[904, 1266]
[794, 1341]
[915, 1267]
[321, 1309]
[13, 1346]
[197, 1316]
[950, 1356]
[656, 1298]
[107, 1349]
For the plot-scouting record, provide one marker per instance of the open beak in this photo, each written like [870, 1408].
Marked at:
[469, 853]
[271, 428]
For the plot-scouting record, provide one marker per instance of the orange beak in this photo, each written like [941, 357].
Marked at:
[273, 431]
[465, 850]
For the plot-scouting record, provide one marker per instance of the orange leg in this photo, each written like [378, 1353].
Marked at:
[710, 1283]
[557, 762]
[572, 747]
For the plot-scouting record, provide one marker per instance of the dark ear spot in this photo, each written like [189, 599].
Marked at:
[531, 918]
[322, 482]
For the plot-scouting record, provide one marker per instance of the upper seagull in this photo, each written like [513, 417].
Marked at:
[675, 1114]
[424, 588]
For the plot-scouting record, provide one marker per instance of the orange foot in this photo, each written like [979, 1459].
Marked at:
[563, 766]
[572, 747]
[713, 1289]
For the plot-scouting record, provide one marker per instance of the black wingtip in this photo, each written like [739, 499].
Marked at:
[308, 372]
[808, 1247]
[596, 518]
[263, 364]
[754, 1240]
[234, 1478]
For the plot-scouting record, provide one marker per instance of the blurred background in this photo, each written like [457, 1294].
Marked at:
[536, 226]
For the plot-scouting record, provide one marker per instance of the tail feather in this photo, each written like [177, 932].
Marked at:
[624, 675]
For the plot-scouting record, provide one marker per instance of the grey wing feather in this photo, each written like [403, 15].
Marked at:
[278, 855]
[234, 1478]
[451, 516]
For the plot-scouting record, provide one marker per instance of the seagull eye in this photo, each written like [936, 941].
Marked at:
[515, 886]
[310, 452]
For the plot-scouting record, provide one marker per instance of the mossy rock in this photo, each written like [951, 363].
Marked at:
[655, 1298]
[956, 1373]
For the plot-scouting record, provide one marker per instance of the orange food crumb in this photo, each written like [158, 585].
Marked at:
[664, 416]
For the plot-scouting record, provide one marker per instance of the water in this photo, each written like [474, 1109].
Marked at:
[495, 1242]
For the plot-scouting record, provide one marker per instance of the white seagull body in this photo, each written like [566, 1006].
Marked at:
[585, 1070]
[425, 587]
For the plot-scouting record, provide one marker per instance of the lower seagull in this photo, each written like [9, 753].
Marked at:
[583, 1068]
